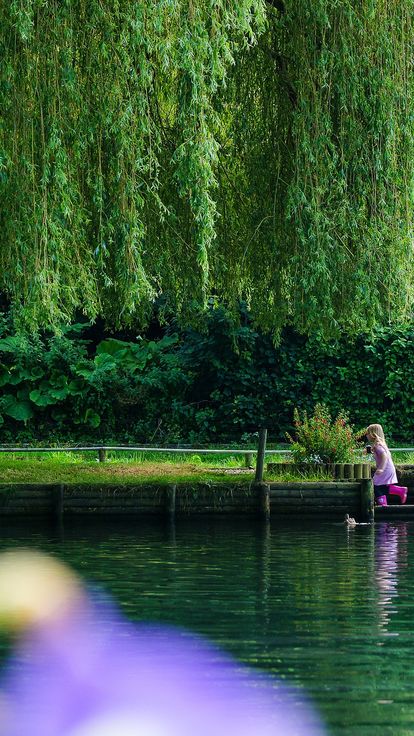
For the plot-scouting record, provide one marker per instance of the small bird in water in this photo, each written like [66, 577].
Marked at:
[349, 521]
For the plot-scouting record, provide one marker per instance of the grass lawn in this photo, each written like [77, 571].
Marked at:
[143, 467]
[131, 469]
[51, 471]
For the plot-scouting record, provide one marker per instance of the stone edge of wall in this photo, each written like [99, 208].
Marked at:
[297, 499]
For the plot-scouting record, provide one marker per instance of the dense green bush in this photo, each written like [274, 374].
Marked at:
[53, 388]
[318, 439]
[214, 384]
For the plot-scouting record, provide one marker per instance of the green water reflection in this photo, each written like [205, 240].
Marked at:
[328, 608]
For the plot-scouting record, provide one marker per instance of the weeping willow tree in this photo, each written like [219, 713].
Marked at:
[207, 148]
[108, 149]
[321, 152]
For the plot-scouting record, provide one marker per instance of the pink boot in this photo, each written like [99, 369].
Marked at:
[400, 491]
[382, 501]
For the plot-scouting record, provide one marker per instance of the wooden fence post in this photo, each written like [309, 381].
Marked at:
[264, 500]
[358, 471]
[367, 500]
[248, 459]
[366, 471]
[339, 471]
[102, 455]
[348, 471]
[260, 456]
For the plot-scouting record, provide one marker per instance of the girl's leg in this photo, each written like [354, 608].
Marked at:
[380, 493]
[400, 491]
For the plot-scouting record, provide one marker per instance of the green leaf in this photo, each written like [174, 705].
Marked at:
[76, 387]
[10, 344]
[41, 398]
[112, 346]
[92, 418]
[20, 410]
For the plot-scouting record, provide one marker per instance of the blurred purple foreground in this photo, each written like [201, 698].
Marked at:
[95, 674]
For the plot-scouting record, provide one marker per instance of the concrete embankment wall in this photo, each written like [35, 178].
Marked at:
[348, 472]
[296, 499]
[40, 500]
[315, 498]
[405, 475]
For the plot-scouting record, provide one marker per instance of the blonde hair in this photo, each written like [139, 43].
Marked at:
[377, 432]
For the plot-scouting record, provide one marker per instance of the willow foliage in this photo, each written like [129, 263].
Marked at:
[108, 149]
[207, 147]
[321, 151]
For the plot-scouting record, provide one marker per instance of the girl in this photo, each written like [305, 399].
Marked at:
[385, 476]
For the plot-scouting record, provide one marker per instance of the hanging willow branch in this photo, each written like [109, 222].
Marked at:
[196, 147]
[320, 147]
[88, 90]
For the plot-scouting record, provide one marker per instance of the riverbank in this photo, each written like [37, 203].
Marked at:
[24, 469]
[40, 487]
[167, 499]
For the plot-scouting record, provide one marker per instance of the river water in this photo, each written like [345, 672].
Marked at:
[324, 607]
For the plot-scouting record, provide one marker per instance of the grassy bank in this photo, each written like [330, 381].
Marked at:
[143, 467]
[73, 468]
[56, 471]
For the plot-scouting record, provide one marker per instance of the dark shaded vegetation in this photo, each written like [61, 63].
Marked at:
[217, 383]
